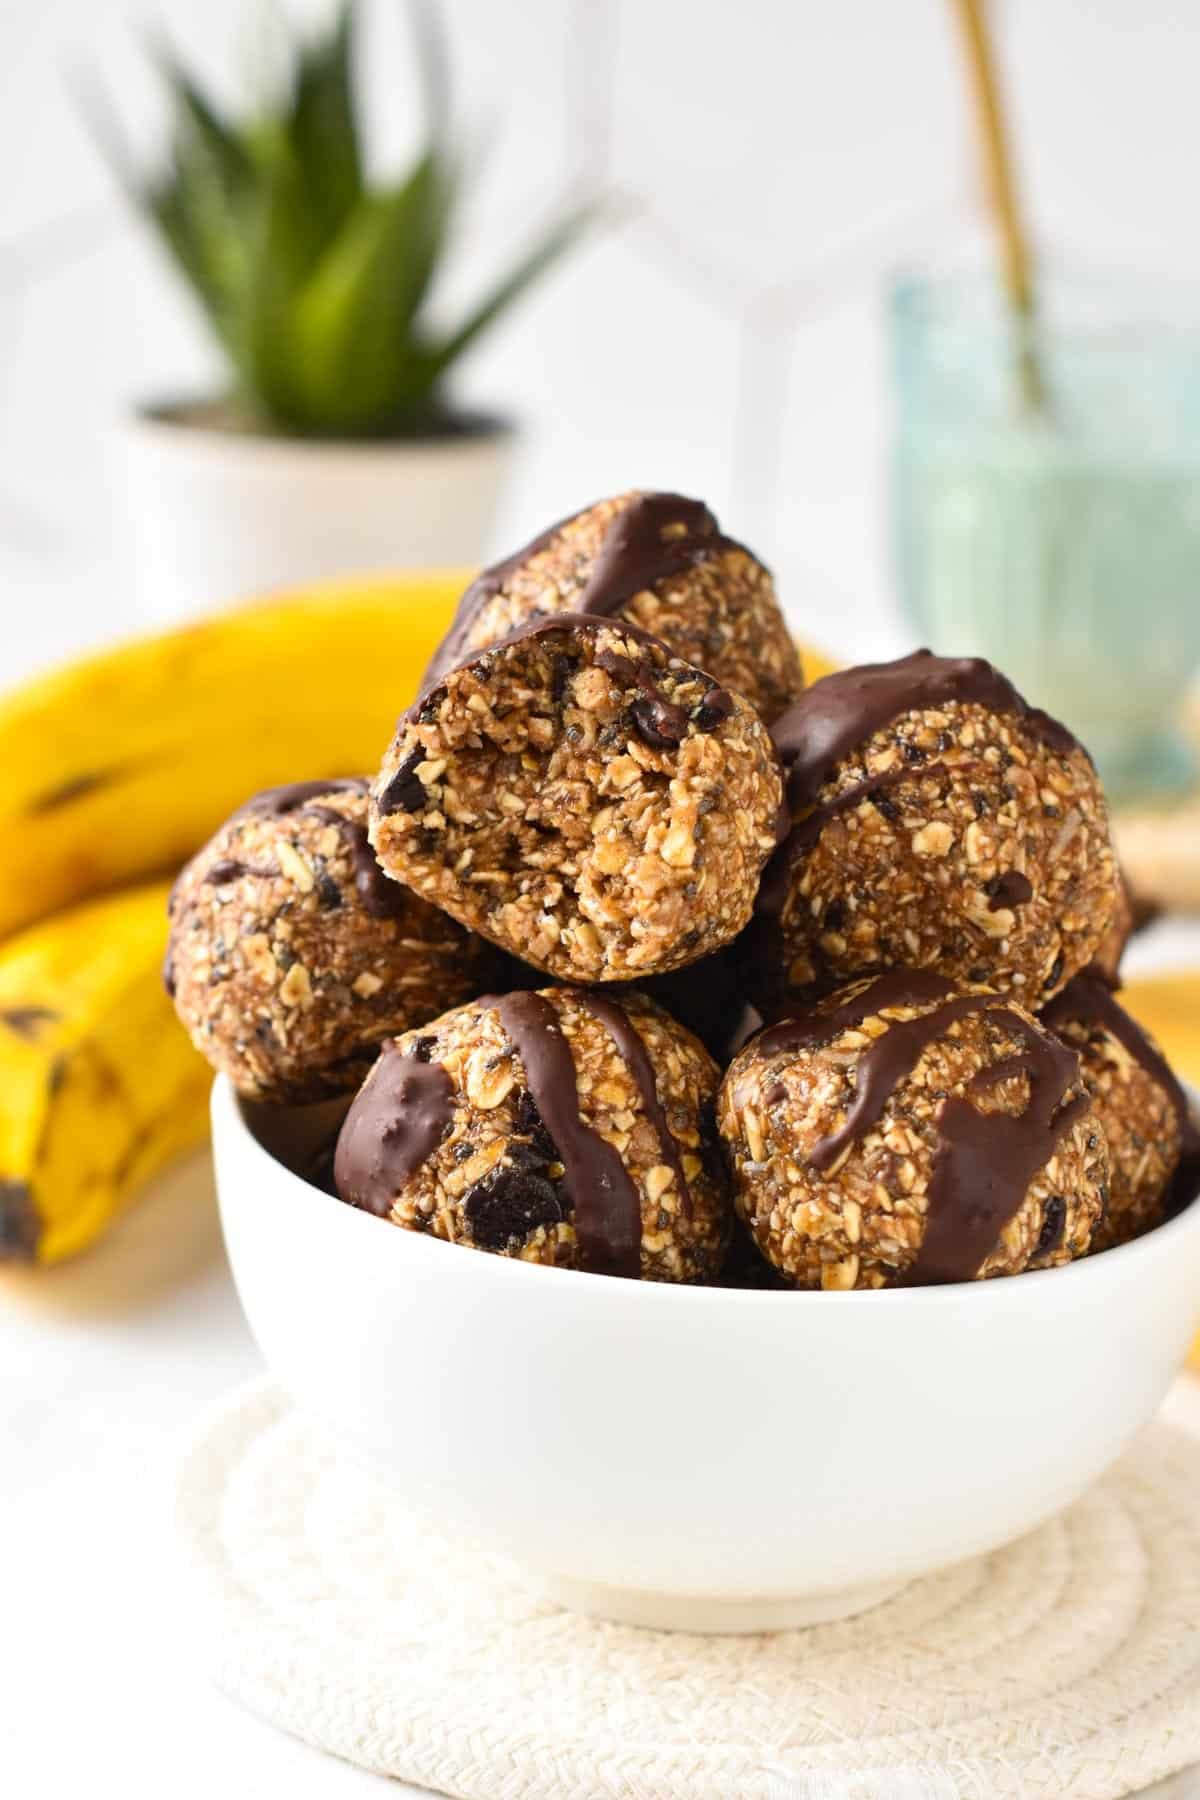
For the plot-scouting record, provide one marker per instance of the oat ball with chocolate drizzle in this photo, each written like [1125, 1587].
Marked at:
[658, 561]
[937, 822]
[292, 955]
[560, 1126]
[584, 799]
[907, 1132]
[1153, 1141]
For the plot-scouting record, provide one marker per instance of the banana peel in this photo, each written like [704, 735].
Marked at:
[99, 1084]
[116, 768]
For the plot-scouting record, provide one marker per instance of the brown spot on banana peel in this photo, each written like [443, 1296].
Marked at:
[27, 1021]
[20, 1227]
[74, 789]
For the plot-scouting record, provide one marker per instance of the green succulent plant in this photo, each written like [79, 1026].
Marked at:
[314, 281]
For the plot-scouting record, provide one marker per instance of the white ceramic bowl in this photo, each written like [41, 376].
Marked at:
[701, 1458]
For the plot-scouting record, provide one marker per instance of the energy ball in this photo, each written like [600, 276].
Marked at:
[561, 1127]
[655, 560]
[907, 1132]
[292, 955]
[1141, 1107]
[937, 822]
[580, 796]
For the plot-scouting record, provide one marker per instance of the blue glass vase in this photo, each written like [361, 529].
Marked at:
[1061, 541]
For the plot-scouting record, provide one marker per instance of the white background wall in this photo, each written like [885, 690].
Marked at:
[778, 159]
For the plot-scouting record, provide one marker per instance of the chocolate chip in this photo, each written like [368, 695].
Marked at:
[835, 916]
[1053, 1220]
[912, 753]
[659, 723]
[1056, 969]
[224, 871]
[530, 1124]
[329, 894]
[561, 670]
[715, 707]
[886, 807]
[422, 1049]
[619, 667]
[404, 793]
[508, 1206]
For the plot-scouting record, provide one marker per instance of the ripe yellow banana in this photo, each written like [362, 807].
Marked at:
[118, 767]
[99, 1085]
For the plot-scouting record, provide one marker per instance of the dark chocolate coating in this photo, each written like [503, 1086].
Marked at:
[984, 1161]
[842, 710]
[634, 555]
[1088, 1000]
[397, 1120]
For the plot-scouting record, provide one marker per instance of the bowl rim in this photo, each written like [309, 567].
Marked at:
[228, 1115]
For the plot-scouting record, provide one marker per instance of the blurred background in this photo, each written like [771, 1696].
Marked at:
[726, 334]
[795, 300]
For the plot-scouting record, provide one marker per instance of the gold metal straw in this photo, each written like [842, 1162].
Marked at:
[1016, 259]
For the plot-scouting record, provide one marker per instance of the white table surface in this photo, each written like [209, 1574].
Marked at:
[105, 1365]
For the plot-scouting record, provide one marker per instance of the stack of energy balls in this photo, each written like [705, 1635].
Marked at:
[639, 958]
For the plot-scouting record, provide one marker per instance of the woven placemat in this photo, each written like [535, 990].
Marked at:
[1067, 1664]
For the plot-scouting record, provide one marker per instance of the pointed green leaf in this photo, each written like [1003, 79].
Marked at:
[351, 323]
[282, 242]
[198, 120]
[323, 127]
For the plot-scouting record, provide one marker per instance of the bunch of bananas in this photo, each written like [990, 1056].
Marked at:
[116, 769]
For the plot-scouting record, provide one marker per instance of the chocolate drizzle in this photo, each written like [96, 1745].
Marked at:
[984, 1162]
[1086, 1000]
[377, 893]
[227, 869]
[608, 1213]
[653, 538]
[273, 803]
[628, 1039]
[842, 710]
[453, 648]
[396, 1122]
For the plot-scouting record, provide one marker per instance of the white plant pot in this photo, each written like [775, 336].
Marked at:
[215, 516]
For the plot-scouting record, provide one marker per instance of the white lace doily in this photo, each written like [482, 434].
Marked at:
[1067, 1664]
